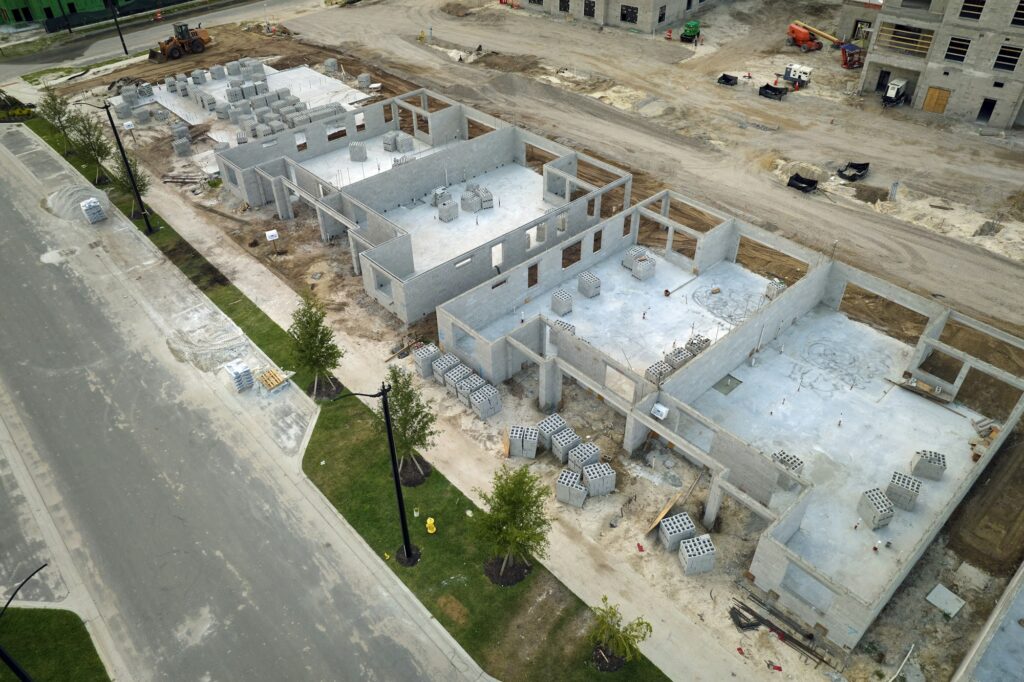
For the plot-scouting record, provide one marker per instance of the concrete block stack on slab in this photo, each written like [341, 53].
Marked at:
[566, 327]
[588, 284]
[698, 344]
[599, 479]
[470, 202]
[548, 427]
[442, 365]
[658, 372]
[142, 115]
[677, 357]
[568, 489]
[643, 268]
[792, 464]
[123, 111]
[561, 302]
[277, 127]
[875, 509]
[439, 195]
[180, 131]
[530, 437]
[161, 114]
[357, 151]
[632, 255]
[928, 464]
[454, 376]
[198, 76]
[364, 80]
[241, 137]
[774, 289]
[170, 83]
[447, 211]
[241, 375]
[485, 401]
[562, 442]
[515, 441]
[697, 555]
[218, 72]
[234, 68]
[390, 141]
[903, 490]
[583, 455]
[93, 211]
[330, 65]
[674, 529]
[182, 147]
[404, 144]
[467, 386]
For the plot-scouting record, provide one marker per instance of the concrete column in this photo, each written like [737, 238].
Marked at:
[635, 435]
[282, 201]
[714, 501]
[550, 390]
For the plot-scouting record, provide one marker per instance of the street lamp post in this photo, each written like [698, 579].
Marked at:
[408, 555]
[60, 5]
[127, 165]
[117, 25]
[5, 657]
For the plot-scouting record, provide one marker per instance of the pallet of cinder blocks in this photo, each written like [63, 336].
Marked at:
[92, 210]
[241, 375]
[390, 141]
[582, 455]
[442, 365]
[643, 268]
[697, 555]
[561, 302]
[548, 427]
[566, 327]
[697, 344]
[454, 376]
[588, 284]
[485, 401]
[467, 386]
[790, 463]
[522, 442]
[658, 372]
[674, 529]
[562, 442]
[633, 254]
[439, 195]
[928, 464]
[568, 489]
[875, 509]
[599, 479]
[677, 357]
[903, 490]
[774, 288]
[447, 211]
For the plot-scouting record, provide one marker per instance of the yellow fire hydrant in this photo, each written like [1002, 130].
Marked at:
[431, 528]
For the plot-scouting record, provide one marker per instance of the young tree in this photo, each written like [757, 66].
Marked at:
[614, 638]
[57, 110]
[515, 526]
[412, 419]
[90, 141]
[313, 340]
[123, 182]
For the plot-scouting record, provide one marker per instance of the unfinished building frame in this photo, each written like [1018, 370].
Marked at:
[389, 176]
[791, 372]
[647, 16]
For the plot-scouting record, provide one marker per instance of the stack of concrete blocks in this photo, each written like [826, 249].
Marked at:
[234, 68]
[674, 529]
[182, 147]
[439, 195]
[562, 442]
[568, 489]
[145, 90]
[222, 111]
[249, 90]
[599, 479]
[633, 254]
[180, 131]
[774, 288]
[875, 509]
[390, 141]
[261, 86]
[447, 211]
[92, 210]
[486, 198]
[261, 114]
[561, 302]
[466, 387]
[233, 95]
[903, 490]
[330, 65]
[241, 137]
[183, 88]
[566, 327]
[423, 357]
[469, 201]
[530, 437]
[790, 463]
[548, 427]
[123, 111]
[515, 441]
[928, 464]
[697, 555]
[263, 130]
[588, 284]
[198, 77]
[241, 375]
[486, 401]
[142, 115]
[357, 151]
[677, 357]
[130, 95]
[583, 455]
[170, 84]
[643, 268]
[363, 80]
[161, 114]
[697, 344]
[443, 365]
[405, 143]
[454, 376]
[277, 127]
[658, 372]
[218, 72]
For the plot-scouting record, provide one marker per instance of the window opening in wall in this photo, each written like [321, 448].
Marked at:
[588, 8]
[661, 14]
[627, 226]
[498, 284]
[1018, 16]
[48, 12]
[592, 207]
[598, 238]
[563, 5]
[270, 143]
[917, 4]
[464, 262]
[956, 51]
[536, 235]
[536, 2]
[531, 276]
[972, 9]
[497, 255]
[1007, 58]
[985, 112]
[997, 84]
[628, 14]
[389, 113]
[572, 254]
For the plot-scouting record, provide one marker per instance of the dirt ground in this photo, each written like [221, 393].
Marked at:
[646, 483]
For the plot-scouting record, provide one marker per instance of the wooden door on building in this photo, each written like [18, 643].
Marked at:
[936, 99]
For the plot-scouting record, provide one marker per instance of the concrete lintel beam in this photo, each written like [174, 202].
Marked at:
[991, 370]
[669, 223]
[980, 326]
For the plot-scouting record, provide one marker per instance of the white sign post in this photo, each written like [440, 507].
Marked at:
[273, 236]
[130, 127]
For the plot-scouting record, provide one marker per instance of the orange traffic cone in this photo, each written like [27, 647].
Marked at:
[159, 16]
[776, 81]
[796, 86]
[668, 34]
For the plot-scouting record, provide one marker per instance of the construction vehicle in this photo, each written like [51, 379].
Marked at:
[690, 32]
[800, 35]
[895, 93]
[184, 41]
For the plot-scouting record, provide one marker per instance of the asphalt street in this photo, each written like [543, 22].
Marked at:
[204, 557]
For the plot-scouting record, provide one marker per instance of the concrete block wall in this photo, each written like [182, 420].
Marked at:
[609, 12]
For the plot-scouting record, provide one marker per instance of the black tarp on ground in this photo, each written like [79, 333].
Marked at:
[772, 92]
[799, 182]
[853, 171]
[726, 79]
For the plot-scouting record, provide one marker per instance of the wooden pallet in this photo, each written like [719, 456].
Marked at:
[271, 379]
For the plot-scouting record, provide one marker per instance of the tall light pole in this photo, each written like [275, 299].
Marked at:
[9, 661]
[113, 13]
[60, 5]
[408, 554]
[124, 159]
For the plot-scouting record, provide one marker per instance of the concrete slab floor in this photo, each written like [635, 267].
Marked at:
[337, 167]
[632, 321]
[518, 199]
[821, 392]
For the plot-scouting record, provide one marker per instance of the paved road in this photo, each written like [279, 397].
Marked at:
[144, 36]
[203, 553]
